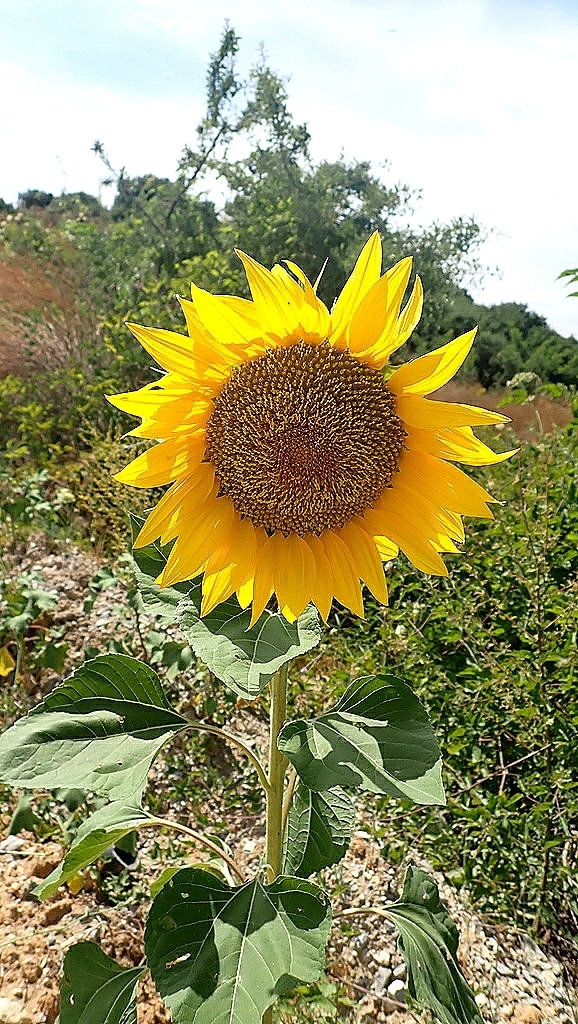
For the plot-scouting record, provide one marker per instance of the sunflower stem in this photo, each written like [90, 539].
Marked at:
[277, 768]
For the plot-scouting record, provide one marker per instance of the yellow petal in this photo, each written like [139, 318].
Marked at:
[365, 558]
[453, 524]
[430, 414]
[149, 399]
[313, 314]
[414, 545]
[365, 274]
[217, 587]
[445, 484]
[386, 549]
[165, 408]
[245, 593]
[188, 492]
[221, 319]
[244, 307]
[206, 348]
[289, 283]
[411, 314]
[176, 352]
[264, 583]
[405, 326]
[426, 517]
[456, 445]
[197, 537]
[167, 461]
[322, 595]
[426, 374]
[294, 574]
[276, 304]
[369, 318]
[377, 313]
[237, 554]
[7, 663]
[175, 418]
[346, 585]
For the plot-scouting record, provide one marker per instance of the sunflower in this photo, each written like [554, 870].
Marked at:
[298, 461]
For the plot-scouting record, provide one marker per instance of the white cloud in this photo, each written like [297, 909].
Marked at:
[53, 129]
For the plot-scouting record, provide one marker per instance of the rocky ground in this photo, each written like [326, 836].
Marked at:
[514, 979]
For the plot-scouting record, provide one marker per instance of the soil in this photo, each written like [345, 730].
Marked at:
[514, 979]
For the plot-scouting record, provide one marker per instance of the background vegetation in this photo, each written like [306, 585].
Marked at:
[492, 650]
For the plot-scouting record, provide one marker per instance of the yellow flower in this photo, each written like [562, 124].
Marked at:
[297, 466]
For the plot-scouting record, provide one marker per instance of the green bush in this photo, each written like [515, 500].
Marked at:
[492, 650]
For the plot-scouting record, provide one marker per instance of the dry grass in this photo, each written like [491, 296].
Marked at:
[39, 322]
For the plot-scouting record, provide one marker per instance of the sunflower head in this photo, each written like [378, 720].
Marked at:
[297, 461]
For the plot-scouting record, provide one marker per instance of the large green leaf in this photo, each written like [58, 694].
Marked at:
[377, 737]
[95, 989]
[319, 830]
[221, 956]
[100, 731]
[104, 828]
[244, 658]
[429, 942]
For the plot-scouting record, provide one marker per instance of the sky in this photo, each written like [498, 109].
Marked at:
[473, 102]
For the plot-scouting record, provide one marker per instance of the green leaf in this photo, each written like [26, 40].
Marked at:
[100, 731]
[429, 942]
[157, 884]
[104, 828]
[377, 737]
[245, 659]
[24, 817]
[319, 830]
[220, 955]
[149, 562]
[95, 989]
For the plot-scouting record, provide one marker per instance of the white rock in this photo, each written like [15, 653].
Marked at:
[381, 957]
[531, 949]
[381, 980]
[399, 972]
[397, 990]
[504, 970]
[361, 941]
[12, 1011]
[12, 843]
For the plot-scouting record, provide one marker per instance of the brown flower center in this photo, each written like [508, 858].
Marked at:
[304, 438]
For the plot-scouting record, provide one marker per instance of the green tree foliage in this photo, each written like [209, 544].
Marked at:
[278, 204]
[35, 197]
[512, 339]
